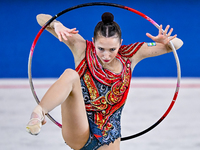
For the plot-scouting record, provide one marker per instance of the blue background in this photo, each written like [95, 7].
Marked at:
[19, 27]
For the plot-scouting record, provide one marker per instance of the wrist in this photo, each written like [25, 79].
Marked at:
[52, 24]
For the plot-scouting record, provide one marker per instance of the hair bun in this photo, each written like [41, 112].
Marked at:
[107, 18]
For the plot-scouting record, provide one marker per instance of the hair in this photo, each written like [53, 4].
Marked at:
[107, 27]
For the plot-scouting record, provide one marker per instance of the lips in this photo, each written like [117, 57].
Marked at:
[106, 60]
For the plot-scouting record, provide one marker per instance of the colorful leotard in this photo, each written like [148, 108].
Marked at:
[105, 92]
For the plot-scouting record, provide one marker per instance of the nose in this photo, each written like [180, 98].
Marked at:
[106, 55]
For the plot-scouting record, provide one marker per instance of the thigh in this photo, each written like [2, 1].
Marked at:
[75, 126]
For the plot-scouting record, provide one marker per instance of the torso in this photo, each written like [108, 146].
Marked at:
[105, 90]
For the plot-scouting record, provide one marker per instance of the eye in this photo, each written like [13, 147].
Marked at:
[100, 48]
[112, 49]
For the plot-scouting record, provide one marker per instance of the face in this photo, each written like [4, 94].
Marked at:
[107, 48]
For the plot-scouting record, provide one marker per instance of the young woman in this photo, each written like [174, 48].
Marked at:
[92, 96]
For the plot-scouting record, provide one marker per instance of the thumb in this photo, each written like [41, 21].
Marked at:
[149, 35]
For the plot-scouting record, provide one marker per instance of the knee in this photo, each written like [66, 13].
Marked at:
[70, 74]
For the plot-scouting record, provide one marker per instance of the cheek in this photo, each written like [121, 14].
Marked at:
[98, 53]
[114, 54]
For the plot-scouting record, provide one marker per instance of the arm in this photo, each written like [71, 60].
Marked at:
[162, 45]
[70, 37]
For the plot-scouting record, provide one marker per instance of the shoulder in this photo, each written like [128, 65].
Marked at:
[90, 48]
[129, 50]
[89, 45]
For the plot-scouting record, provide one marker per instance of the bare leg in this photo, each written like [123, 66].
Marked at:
[67, 92]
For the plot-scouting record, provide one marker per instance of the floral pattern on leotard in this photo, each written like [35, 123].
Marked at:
[105, 92]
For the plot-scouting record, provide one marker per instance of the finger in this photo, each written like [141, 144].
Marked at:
[171, 38]
[160, 29]
[166, 30]
[170, 32]
[73, 31]
[67, 34]
[64, 36]
[59, 37]
[149, 35]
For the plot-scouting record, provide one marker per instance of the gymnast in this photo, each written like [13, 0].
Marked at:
[93, 95]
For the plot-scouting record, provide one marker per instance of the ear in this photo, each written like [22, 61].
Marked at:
[121, 41]
[93, 40]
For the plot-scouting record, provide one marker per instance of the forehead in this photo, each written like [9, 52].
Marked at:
[107, 42]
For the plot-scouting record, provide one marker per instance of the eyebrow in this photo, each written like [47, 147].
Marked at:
[109, 48]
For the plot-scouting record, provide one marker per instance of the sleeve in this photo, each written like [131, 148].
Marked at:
[129, 50]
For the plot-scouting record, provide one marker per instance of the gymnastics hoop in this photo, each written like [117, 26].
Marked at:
[119, 6]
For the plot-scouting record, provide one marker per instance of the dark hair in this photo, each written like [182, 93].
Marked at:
[107, 27]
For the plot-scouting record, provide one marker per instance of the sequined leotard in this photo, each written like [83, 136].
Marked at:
[105, 92]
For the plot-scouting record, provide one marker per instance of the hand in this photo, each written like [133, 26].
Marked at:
[163, 37]
[63, 32]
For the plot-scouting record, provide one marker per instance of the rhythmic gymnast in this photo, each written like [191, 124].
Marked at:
[93, 95]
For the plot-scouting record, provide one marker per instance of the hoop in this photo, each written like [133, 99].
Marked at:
[119, 6]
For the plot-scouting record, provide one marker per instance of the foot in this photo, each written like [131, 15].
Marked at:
[36, 121]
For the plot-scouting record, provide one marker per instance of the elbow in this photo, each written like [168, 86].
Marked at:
[178, 43]
[39, 19]
[181, 43]
[42, 18]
